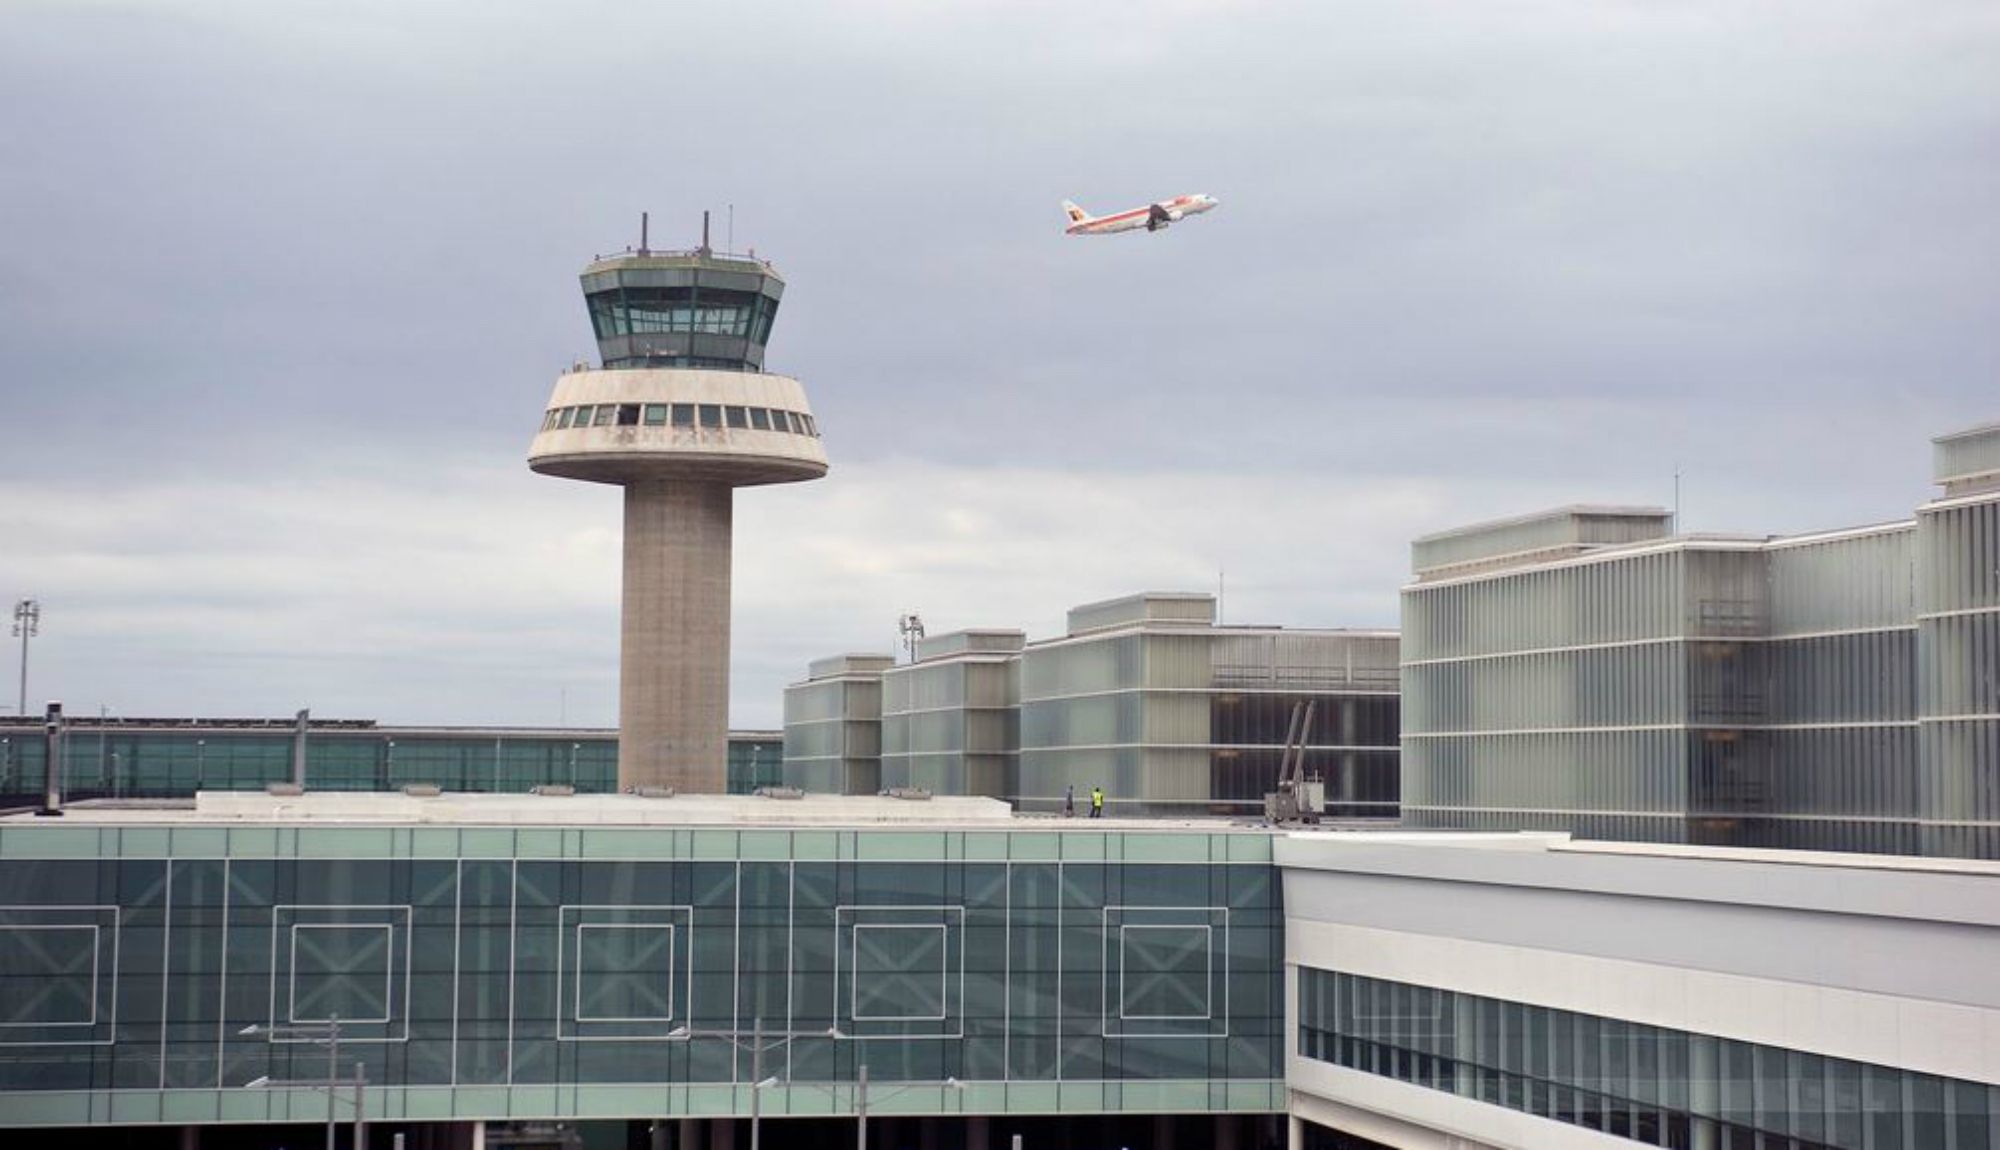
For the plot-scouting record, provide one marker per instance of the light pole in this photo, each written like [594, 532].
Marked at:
[861, 1100]
[327, 1034]
[27, 625]
[759, 1040]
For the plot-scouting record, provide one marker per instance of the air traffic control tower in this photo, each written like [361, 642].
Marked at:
[681, 413]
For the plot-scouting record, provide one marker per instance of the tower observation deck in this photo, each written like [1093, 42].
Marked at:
[680, 414]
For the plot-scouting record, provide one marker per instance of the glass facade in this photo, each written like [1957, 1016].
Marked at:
[1749, 694]
[1833, 692]
[1147, 698]
[142, 760]
[951, 724]
[1958, 668]
[612, 971]
[833, 727]
[1175, 716]
[1653, 1085]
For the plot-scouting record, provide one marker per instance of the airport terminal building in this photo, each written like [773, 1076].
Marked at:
[1586, 670]
[1172, 713]
[631, 971]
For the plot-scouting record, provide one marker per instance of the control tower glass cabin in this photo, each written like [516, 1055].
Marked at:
[680, 414]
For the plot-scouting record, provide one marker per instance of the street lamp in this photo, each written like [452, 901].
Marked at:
[861, 1093]
[861, 1100]
[318, 1033]
[759, 1040]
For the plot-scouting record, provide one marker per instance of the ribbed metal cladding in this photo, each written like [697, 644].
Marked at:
[673, 697]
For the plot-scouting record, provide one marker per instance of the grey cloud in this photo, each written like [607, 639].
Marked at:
[1500, 256]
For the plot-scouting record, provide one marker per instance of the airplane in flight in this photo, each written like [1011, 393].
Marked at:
[1152, 217]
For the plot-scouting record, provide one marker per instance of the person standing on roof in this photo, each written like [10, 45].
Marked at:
[1069, 801]
[1096, 802]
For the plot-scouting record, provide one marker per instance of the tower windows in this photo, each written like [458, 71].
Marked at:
[713, 416]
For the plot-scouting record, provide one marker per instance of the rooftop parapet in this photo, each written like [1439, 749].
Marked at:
[835, 666]
[1541, 536]
[1145, 607]
[976, 641]
[1967, 461]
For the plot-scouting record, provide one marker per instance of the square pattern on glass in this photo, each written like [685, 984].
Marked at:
[58, 975]
[349, 962]
[1165, 972]
[622, 972]
[899, 971]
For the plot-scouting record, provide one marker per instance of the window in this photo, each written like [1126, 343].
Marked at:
[656, 415]
[628, 415]
[810, 428]
[683, 415]
[1650, 1084]
[791, 422]
[711, 415]
[735, 417]
[605, 414]
[582, 417]
[760, 419]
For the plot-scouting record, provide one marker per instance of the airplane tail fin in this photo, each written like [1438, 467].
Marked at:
[1076, 215]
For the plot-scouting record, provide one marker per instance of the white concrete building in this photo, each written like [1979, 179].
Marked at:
[1527, 991]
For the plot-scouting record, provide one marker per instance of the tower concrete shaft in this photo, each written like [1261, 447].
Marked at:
[673, 694]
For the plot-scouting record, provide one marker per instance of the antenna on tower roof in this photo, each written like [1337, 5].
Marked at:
[642, 233]
[704, 232]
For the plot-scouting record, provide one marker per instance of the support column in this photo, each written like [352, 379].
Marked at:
[1163, 1131]
[190, 1138]
[689, 1135]
[978, 1134]
[673, 659]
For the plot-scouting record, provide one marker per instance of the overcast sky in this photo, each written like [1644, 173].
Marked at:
[284, 289]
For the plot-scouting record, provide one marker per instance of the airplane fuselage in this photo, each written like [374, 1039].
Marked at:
[1152, 217]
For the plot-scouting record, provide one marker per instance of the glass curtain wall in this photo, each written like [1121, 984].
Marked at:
[1173, 720]
[1654, 1085]
[1556, 698]
[1958, 653]
[579, 957]
[952, 726]
[130, 762]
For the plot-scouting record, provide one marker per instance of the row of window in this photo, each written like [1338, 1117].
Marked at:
[1651, 1084]
[708, 415]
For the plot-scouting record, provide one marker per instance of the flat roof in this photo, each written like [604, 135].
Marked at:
[377, 808]
[1567, 511]
[1560, 843]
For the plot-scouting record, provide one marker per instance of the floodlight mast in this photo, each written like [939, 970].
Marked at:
[27, 625]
